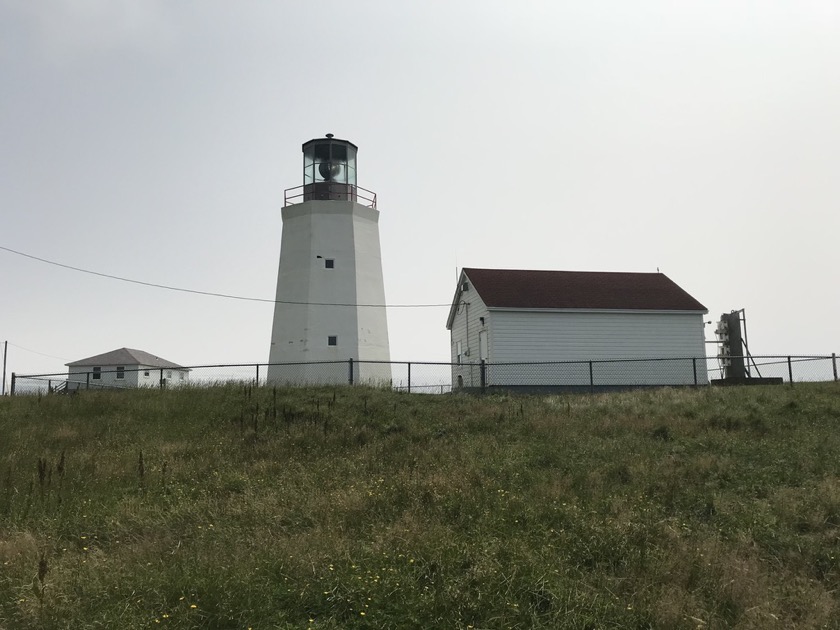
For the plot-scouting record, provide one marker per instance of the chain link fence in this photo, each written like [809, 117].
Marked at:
[441, 378]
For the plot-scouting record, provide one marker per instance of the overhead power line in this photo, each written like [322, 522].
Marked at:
[211, 293]
[43, 354]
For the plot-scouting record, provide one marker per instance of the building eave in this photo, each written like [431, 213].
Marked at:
[509, 309]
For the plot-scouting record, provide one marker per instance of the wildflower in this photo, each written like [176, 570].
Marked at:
[193, 606]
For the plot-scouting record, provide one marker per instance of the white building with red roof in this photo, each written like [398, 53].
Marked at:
[585, 329]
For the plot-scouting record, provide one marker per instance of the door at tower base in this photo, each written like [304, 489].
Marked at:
[330, 297]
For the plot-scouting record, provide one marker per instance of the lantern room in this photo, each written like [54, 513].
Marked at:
[329, 169]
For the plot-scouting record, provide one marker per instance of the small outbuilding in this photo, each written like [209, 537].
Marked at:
[125, 367]
[574, 329]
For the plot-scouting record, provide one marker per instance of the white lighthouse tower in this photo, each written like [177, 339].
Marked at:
[330, 293]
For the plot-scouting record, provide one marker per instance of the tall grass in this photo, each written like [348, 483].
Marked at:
[239, 507]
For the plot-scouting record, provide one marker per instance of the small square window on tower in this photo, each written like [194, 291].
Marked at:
[329, 263]
[332, 340]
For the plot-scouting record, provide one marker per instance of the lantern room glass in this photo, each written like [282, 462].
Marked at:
[329, 161]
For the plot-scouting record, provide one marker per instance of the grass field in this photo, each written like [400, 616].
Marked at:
[233, 507]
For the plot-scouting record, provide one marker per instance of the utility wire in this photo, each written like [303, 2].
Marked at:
[211, 293]
[36, 352]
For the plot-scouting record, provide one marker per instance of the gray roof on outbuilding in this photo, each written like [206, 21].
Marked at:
[126, 357]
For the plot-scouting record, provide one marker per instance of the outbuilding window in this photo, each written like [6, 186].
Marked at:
[97, 373]
[332, 340]
[329, 263]
[120, 371]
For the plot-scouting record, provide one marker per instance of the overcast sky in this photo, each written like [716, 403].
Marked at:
[153, 140]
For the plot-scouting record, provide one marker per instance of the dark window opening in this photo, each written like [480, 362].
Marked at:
[120, 371]
[329, 263]
[97, 373]
[332, 340]
[146, 373]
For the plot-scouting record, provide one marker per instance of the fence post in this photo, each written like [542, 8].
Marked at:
[350, 362]
[694, 366]
[482, 372]
[12, 390]
[591, 378]
[834, 364]
[87, 380]
[162, 382]
[258, 374]
[790, 370]
[409, 377]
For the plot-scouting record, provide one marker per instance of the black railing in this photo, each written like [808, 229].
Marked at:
[299, 194]
[438, 377]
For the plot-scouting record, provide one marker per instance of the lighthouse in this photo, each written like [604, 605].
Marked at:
[330, 304]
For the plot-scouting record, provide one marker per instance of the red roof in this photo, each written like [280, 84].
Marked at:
[515, 288]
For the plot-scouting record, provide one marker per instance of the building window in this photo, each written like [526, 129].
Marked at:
[329, 263]
[169, 374]
[97, 373]
[332, 340]
[120, 371]
[146, 373]
[181, 375]
[458, 352]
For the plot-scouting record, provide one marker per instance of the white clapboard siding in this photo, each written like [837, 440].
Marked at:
[467, 319]
[557, 336]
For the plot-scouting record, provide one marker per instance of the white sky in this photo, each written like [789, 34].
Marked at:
[153, 140]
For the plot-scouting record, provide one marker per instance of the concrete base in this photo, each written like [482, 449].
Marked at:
[725, 382]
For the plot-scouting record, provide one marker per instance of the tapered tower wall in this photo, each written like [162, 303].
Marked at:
[330, 288]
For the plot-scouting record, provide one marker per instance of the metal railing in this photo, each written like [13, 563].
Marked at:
[298, 194]
[439, 378]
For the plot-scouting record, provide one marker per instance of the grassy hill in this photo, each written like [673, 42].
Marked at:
[234, 507]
